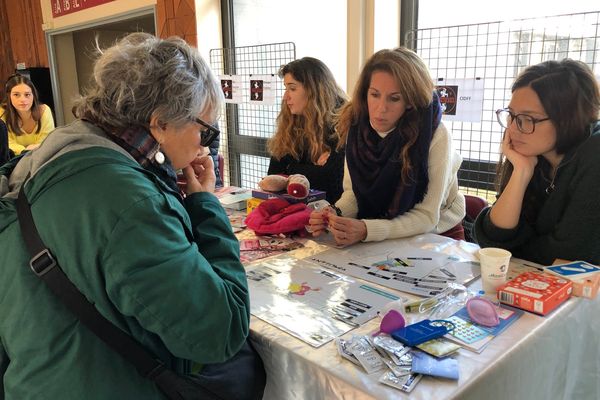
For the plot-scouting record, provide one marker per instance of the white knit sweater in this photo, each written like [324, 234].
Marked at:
[442, 208]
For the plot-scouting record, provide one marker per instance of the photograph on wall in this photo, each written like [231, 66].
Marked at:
[231, 87]
[461, 99]
[262, 89]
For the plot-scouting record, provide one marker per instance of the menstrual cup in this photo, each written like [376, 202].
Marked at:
[390, 322]
[482, 311]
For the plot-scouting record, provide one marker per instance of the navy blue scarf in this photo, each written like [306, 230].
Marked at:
[375, 165]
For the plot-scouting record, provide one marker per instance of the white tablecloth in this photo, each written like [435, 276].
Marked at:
[552, 357]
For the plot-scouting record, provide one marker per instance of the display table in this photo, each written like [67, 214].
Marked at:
[552, 357]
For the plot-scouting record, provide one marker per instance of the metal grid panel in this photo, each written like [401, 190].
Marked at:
[246, 127]
[496, 52]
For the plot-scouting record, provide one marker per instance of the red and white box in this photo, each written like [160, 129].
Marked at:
[535, 292]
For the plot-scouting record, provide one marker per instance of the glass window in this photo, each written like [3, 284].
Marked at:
[494, 44]
[320, 34]
[434, 13]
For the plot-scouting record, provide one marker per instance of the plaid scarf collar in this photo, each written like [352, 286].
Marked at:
[141, 145]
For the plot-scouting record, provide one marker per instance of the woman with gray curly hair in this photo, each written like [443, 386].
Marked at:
[164, 269]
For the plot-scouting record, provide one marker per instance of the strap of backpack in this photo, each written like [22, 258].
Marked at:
[46, 267]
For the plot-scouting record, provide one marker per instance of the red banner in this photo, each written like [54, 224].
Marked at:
[64, 7]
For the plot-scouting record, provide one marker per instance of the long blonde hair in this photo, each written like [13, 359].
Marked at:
[309, 133]
[415, 84]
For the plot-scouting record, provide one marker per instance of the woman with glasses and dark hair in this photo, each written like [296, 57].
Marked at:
[401, 170]
[305, 141]
[549, 175]
[28, 121]
[104, 198]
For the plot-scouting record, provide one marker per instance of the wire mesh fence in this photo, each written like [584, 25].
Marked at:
[496, 52]
[246, 126]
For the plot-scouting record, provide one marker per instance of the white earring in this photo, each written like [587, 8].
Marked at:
[159, 157]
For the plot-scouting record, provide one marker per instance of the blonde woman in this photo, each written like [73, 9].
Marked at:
[305, 141]
[401, 171]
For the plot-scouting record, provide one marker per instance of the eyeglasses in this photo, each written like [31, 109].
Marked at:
[209, 135]
[525, 123]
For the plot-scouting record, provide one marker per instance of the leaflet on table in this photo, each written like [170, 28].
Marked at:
[308, 302]
[265, 246]
[518, 266]
[475, 337]
[237, 219]
[233, 197]
[399, 266]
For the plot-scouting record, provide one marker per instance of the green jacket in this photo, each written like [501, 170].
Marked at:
[567, 224]
[166, 272]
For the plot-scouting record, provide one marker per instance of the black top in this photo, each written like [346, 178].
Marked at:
[3, 143]
[567, 223]
[214, 150]
[327, 178]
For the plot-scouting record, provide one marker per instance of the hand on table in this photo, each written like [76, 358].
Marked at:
[345, 231]
[317, 223]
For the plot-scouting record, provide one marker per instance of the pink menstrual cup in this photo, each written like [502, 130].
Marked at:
[482, 311]
[391, 321]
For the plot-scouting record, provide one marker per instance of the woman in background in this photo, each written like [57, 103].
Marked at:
[305, 141]
[401, 175]
[28, 121]
[547, 207]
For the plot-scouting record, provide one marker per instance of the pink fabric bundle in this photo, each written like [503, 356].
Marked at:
[275, 216]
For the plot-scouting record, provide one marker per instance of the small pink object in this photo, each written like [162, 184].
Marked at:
[391, 321]
[482, 311]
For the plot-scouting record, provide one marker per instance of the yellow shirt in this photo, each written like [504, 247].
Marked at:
[18, 143]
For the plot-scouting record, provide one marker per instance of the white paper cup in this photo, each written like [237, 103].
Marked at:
[494, 268]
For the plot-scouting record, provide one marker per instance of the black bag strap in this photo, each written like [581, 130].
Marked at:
[46, 267]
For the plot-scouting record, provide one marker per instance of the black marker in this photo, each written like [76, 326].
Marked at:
[419, 258]
[401, 262]
[533, 266]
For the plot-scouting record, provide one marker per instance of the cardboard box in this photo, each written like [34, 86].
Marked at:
[233, 197]
[585, 287]
[252, 203]
[313, 195]
[536, 292]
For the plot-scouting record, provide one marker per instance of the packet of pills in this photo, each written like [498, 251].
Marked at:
[366, 355]
[405, 383]
[396, 351]
[343, 347]
[396, 369]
